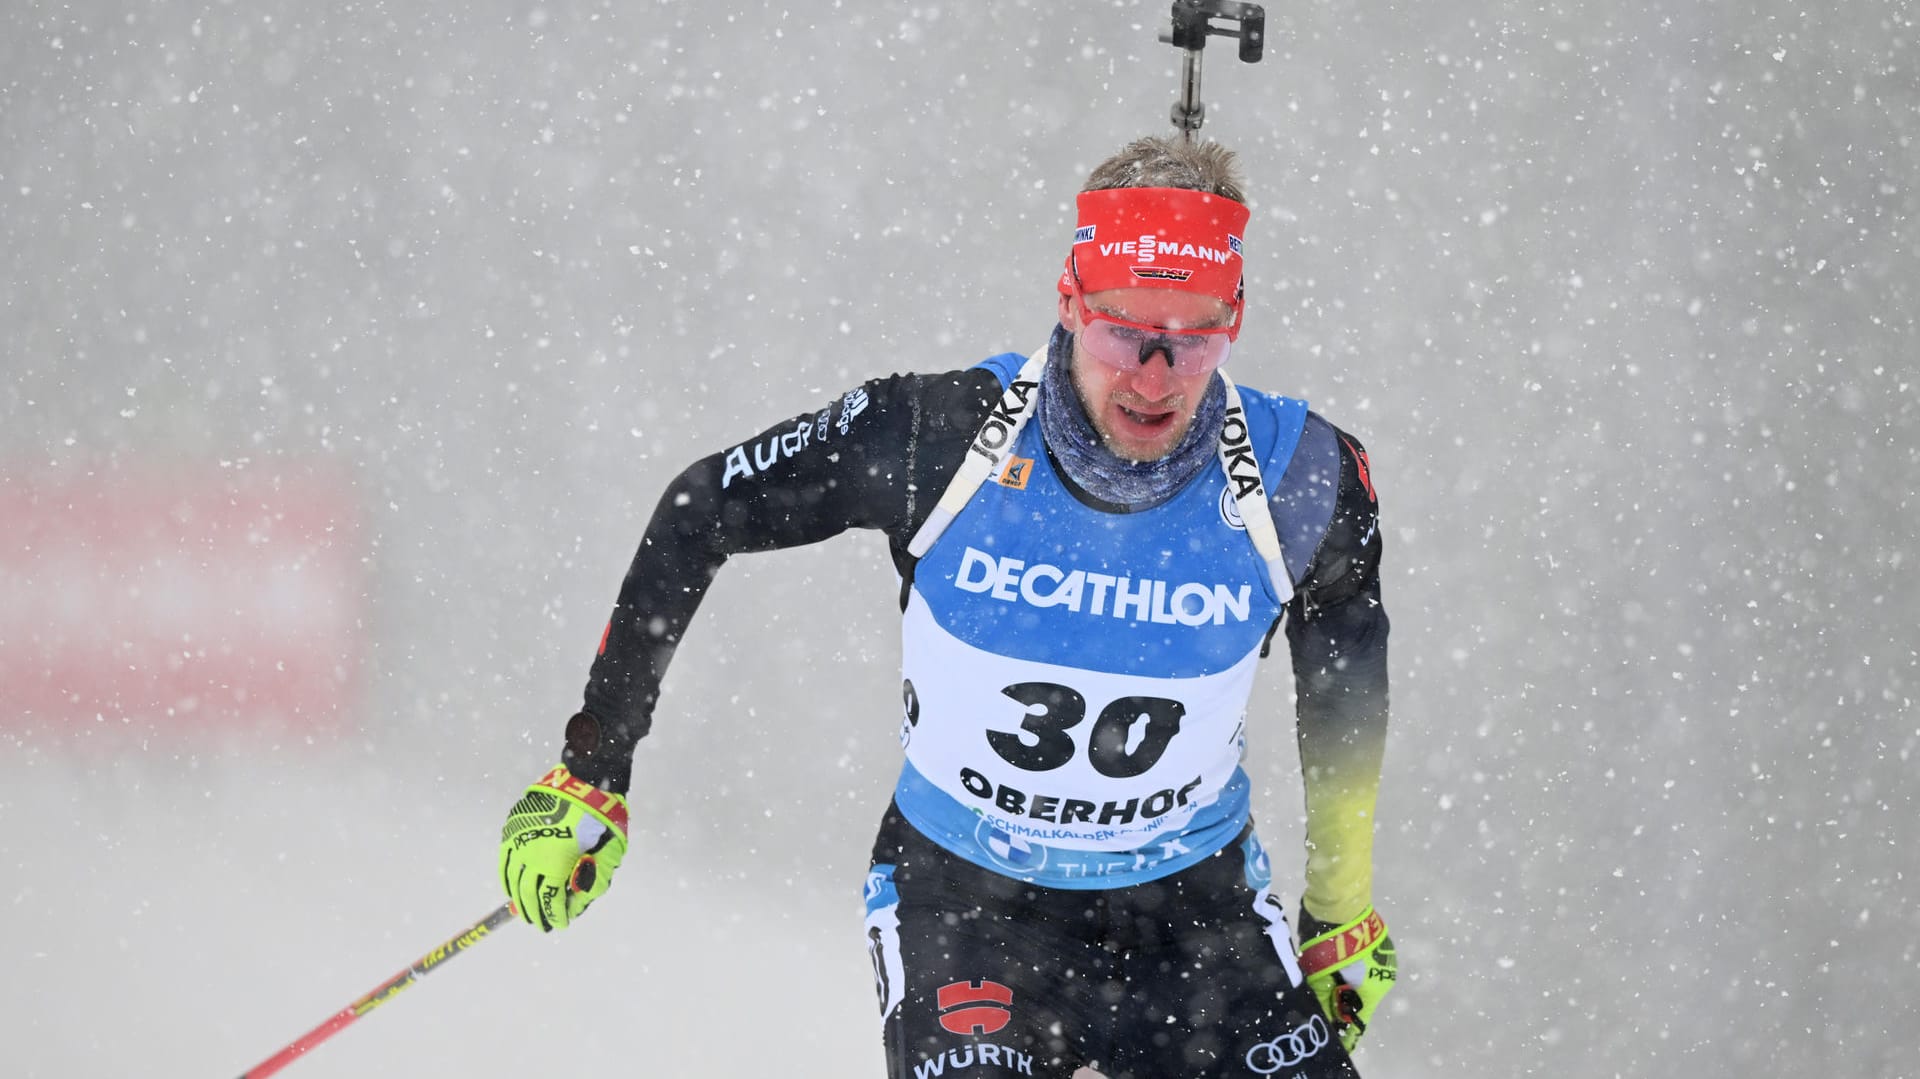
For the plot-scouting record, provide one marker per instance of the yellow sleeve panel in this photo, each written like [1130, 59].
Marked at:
[1342, 780]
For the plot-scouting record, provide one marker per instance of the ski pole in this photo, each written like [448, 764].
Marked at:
[386, 991]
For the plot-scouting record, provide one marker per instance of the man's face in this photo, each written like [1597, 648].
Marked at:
[1142, 410]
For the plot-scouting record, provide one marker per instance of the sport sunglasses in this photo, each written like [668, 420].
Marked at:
[1124, 345]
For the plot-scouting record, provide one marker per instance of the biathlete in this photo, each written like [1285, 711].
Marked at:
[1096, 544]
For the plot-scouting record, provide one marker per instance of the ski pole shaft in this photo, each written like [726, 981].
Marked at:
[386, 991]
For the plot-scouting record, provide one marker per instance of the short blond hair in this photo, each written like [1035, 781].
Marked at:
[1162, 161]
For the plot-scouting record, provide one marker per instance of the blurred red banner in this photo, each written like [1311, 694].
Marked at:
[179, 598]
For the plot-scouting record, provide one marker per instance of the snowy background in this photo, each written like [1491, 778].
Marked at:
[1621, 297]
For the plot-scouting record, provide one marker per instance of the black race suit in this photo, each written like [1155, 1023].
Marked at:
[1189, 974]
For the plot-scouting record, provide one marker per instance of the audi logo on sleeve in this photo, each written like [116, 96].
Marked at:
[1290, 1049]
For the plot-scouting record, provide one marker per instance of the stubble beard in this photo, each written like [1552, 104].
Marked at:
[1121, 446]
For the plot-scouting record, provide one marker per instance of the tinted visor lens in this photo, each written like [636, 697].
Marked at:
[1126, 345]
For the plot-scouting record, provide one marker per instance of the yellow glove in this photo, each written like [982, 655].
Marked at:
[1349, 968]
[559, 848]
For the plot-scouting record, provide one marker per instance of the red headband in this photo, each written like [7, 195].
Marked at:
[1157, 237]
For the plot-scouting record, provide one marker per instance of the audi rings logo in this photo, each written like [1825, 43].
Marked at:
[1291, 1048]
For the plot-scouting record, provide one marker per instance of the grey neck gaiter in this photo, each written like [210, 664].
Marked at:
[1078, 449]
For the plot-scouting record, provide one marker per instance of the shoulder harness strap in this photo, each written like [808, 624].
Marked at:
[985, 453]
[1242, 467]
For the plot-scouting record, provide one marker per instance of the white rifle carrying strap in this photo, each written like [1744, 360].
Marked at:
[1250, 492]
[1002, 429]
[985, 453]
